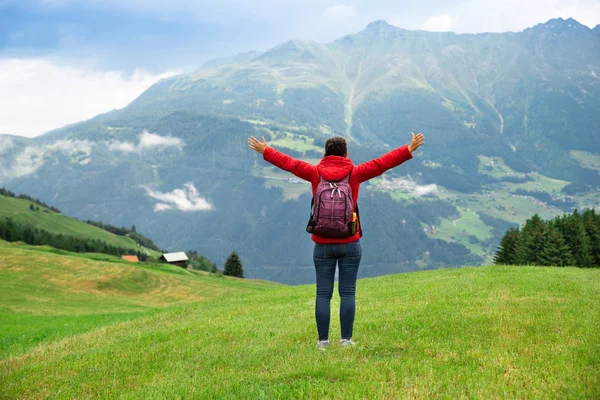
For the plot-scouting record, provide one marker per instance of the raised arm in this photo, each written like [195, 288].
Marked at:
[378, 166]
[301, 169]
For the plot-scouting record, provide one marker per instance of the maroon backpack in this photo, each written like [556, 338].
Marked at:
[331, 209]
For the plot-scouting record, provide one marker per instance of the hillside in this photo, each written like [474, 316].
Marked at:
[48, 220]
[489, 332]
[500, 112]
[46, 294]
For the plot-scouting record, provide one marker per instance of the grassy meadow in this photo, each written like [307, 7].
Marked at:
[75, 327]
[48, 294]
[48, 220]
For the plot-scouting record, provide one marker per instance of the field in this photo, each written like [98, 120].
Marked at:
[586, 159]
[487, 332]
[48, 220]
[46, 294]
[296, 142]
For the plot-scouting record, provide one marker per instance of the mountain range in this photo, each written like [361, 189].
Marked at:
[500, 112]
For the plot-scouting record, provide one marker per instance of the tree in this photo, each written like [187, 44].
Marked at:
[31, 207]
[591, 220]
[573, 230]
[530, 241]
[233, 266]
[555, 250]
[507, 250]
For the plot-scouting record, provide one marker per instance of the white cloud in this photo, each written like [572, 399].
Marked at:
[408, 185]
[516, 15]
[151, 140]
[426, 190]
[162, 207]
[33, 157]
[38, 95]
[338, 14]
[124, 147]
[147, 141]
[27, 162]
[186, 199]
[439, 23]
[5, 144]
[71, 147]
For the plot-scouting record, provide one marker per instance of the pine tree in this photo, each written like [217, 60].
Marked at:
[233, 266]
[31, 207]
[507, 250]
[591, 221]
[555, 250]
[214, 268]
[573, 231]
[530, 241]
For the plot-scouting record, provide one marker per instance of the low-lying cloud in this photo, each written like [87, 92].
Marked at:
[5, 144]
[408, 185]
[32, 158]
[70, 147]
[187, 199]
[147, 141]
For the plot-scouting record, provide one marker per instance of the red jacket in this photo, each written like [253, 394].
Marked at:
[335, 168]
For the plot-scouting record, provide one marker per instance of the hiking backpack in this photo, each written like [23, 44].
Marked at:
[331, 209]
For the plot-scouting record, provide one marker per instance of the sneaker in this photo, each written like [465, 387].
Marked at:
[347, 342]
[322, 344]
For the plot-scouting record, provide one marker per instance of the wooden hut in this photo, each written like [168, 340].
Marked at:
[179, 259]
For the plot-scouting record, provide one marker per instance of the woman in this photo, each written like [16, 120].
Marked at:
[346, 252]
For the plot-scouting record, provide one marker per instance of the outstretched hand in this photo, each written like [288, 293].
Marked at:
[416, 142]
[255, 145]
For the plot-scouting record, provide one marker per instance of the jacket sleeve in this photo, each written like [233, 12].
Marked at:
[378, 166]
[301, 169]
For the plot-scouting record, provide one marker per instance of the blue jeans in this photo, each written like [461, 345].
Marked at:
[326, 256]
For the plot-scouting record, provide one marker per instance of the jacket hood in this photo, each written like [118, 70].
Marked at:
[335, 167]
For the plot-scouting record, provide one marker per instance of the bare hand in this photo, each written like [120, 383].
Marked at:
[416, 142]
[255, 145]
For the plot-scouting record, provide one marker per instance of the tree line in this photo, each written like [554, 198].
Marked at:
[14, 232]
[129, 232]
[119, 231]
[562, 204]
[233, 266]
[8, 193]
[570, 239]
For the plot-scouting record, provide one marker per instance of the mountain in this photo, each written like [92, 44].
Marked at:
[500, 112]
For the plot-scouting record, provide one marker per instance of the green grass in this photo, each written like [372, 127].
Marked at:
[500, 170]
[48, 220]
[44, 295]
[488, 332]
[586, 159]
[290, 190]
[296, 142]
[280, 178]
[460, 229]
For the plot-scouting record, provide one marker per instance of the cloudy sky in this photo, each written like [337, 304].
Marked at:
[62, 61]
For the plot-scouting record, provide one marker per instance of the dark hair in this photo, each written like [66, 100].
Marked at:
[336, 146]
